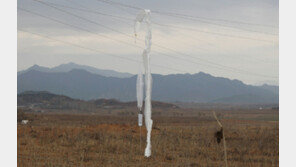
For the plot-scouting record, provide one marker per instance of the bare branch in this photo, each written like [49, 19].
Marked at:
[224, 142]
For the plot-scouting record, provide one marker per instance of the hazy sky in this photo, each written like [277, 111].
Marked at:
[237, 39]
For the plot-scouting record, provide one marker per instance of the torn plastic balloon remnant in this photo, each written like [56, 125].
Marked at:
[144, 17]
[140, 86]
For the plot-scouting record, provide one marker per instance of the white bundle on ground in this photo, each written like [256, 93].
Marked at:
[144, 16]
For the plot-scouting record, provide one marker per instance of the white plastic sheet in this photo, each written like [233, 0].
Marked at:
[140, 119]
[144, 17]
[140, 86]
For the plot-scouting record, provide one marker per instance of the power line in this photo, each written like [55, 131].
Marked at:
[127, 35]
[206, 18]
[211, 63]
[200, 31]
[220, 66]
[98, 51]
[188, 17]
[78, 16]
[79, 28]
[98, 34]
[208, 32]
[214, 19]
[212, 33]
[212, 23]
[171, 26]
[92, 11]
[121, 4]
[171, 56]
[87, 10]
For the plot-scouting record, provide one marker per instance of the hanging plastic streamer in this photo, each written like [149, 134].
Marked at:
[144, 17]
[140, 86]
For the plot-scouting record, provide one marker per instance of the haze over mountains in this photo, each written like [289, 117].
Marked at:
[84, 82]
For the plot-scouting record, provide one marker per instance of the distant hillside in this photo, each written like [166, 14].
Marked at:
[248, 99]
[71, 66]
[200, 87]
[274, 89]
[47, 100]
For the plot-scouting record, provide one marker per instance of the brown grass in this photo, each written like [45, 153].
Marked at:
[94, 140]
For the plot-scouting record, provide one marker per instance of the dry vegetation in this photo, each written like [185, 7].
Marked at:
[102, 140]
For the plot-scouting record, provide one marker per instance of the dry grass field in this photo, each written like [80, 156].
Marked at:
[57, 140]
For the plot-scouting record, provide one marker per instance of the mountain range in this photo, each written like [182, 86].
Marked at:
[86, 83]
[70, 66]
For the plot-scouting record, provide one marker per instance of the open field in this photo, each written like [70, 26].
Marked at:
[186, 139]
